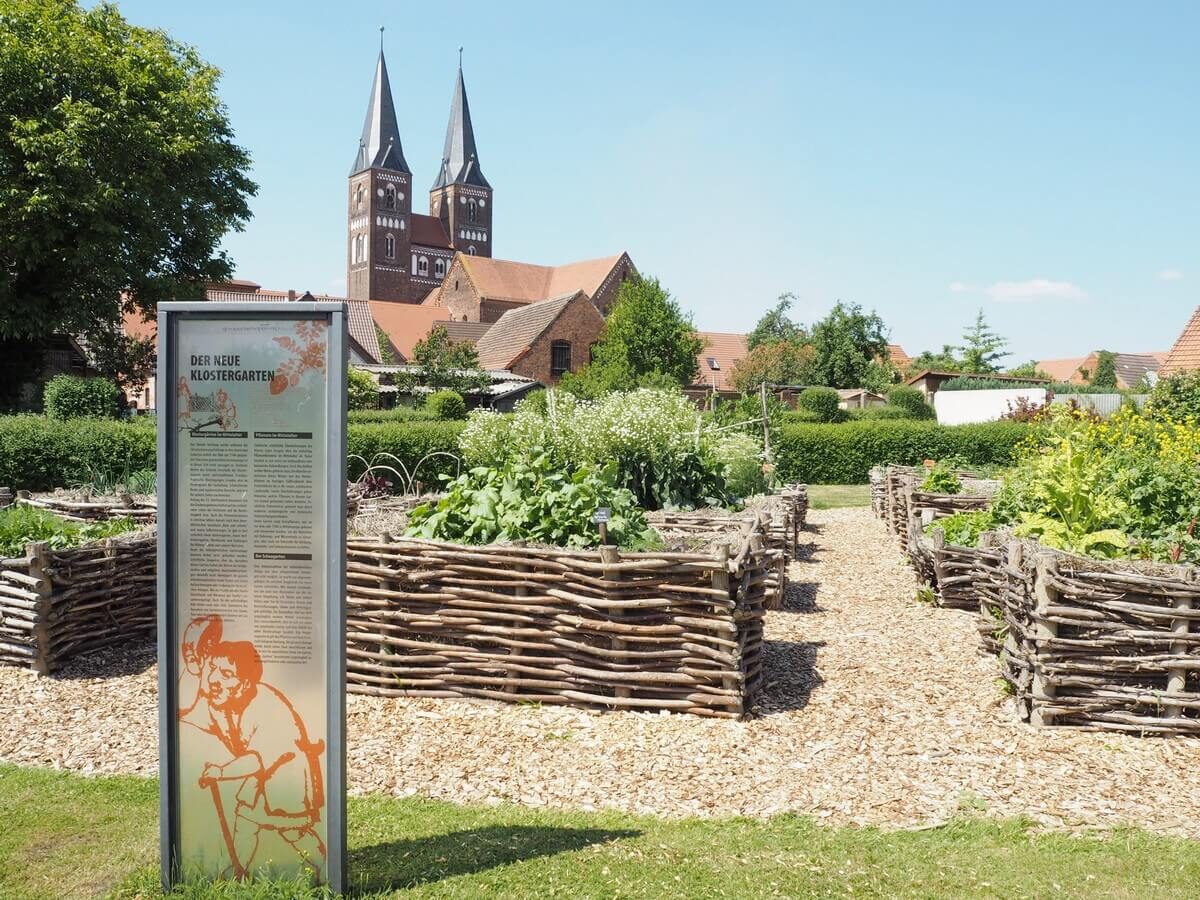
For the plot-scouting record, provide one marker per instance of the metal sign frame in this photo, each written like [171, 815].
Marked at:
[169, 316]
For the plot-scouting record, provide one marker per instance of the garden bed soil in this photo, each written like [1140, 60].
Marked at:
[875, 710]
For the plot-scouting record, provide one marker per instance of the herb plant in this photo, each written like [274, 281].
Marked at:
[20, 525]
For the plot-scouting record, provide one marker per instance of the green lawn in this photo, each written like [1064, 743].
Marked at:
[69, 836]
[833, 496]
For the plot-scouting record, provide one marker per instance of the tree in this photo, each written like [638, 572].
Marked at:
[1106, 370]
[386, 356]
[846, 344]
[1029, 370]
[781, 362]
[443, 364]
[982, 348]
[361, 390]
[944, 361]
[646, 333]
[119, 174]
[776, 326]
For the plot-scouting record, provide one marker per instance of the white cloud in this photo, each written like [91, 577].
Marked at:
[1034, 289]
[961, 287]
[1170, 275]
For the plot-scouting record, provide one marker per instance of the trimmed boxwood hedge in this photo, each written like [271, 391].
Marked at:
[844, 454]
[38, 453]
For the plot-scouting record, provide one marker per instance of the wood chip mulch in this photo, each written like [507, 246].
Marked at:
[877, 711]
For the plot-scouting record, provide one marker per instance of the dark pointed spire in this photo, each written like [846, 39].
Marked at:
[460, 158]
[379, 147]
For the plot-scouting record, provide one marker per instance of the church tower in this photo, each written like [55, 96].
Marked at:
[461, 197]
[380, 204]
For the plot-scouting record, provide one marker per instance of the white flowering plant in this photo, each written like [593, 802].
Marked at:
[666, 451]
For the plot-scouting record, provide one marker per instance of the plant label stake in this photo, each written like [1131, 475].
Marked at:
[601, 517]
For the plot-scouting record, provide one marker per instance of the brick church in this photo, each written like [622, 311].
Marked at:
[418, 270]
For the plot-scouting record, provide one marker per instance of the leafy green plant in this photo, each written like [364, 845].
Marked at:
[941, 479]
[75, 397]
[964, 528]
[911, 400]
[20, 525]
[1177, 397]
[446, 405]
[534, 501]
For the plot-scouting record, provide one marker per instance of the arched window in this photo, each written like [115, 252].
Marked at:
[422, 265]
[560, 358]
[389, 197]
[358, 198]
[389, 246]
[439, 267]
[471, 250]
[472, 211]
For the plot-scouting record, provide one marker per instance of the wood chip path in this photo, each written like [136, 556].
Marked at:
[877, 711]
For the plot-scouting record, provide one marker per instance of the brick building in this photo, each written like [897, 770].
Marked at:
[543, 341]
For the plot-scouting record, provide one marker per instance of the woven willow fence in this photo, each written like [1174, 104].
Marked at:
[1083, 643]
[649, 631]
[89, 510]
[57, 604]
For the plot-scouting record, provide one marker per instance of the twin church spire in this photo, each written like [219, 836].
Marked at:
[380, 146]
[395, 252]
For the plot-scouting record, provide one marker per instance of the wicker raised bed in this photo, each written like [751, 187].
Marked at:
[649, 631]
[57, 604]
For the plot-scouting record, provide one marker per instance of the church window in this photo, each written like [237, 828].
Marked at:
[439, 267]
[389, 246]
[422, 265]
[358, 197]
[560, 358]
[472, 211]
[389, 197]
[471, 250]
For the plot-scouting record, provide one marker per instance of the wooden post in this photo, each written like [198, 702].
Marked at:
[720, 581]
[389, 584]
[511, 683]
[1043, 632]
[1176, 676]
[39, 564]
[610, 557]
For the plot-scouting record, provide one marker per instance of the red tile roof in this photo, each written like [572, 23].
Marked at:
[725, 350]
[429, 231]
[1185, 354]
[1062, 370]
[897, 357]
[516, 282]
[406, 323]
[515, 331]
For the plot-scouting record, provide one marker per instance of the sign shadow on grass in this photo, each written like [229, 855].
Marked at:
[410, 862]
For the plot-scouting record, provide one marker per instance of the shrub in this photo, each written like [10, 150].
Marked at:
[877, 414]
[38, 453]
[410, 443]
[740, 456]
[446, 405]
[1176, 397]
[381, 416]
[534, 501]
[822, 402]
[941, 479]
[74, 397]
[844, 454]
[361, 390]
[911, 400]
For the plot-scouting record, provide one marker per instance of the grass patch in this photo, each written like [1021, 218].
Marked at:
[836, 496]
[69, 836]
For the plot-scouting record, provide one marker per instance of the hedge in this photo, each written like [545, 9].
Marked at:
[844, 454]
[38, 453]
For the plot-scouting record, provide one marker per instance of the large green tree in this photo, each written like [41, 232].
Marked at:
[982, 349]
[647, 340]
[776, 325]
[777, 363]
[847, 345]
[443, 364]
[119, 173]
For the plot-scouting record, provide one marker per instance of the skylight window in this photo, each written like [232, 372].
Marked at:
[713, 364]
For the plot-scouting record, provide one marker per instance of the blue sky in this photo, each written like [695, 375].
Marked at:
[1041, 161]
